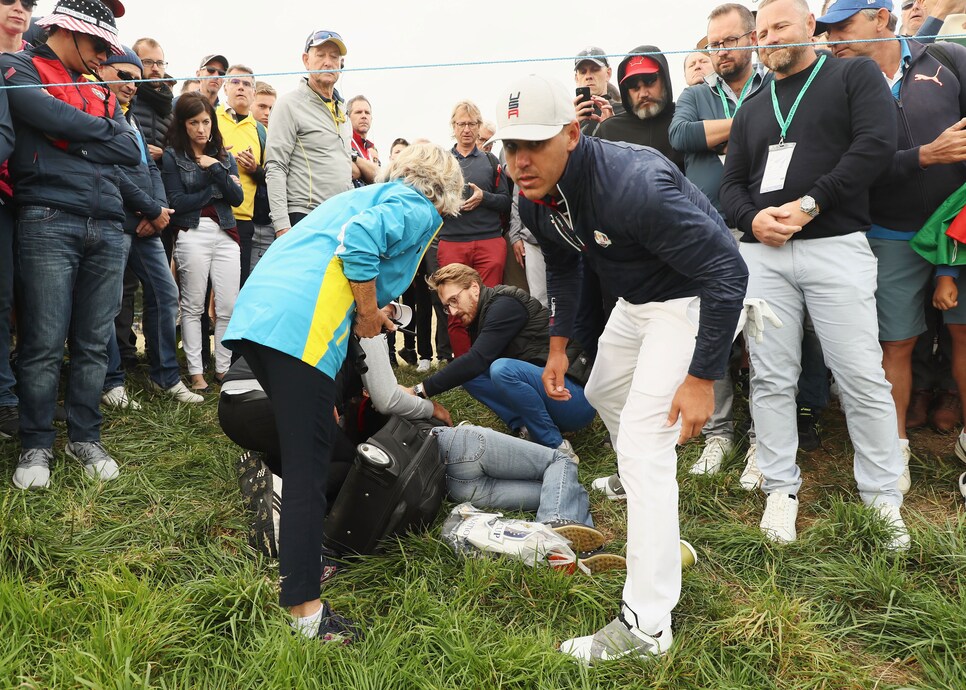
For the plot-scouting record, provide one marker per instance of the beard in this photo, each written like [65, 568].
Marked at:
[651, 109]
[780, 60]
[736, 66]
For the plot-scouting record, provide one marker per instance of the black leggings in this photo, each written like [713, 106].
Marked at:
[302, 399]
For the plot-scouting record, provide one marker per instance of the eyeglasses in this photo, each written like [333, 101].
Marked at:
[215, 70]
[454, 301]
[728, 43]
[28, 5]
[645, 79]
[906, 6]
[241, 82]
[466, 125]
[153, 63]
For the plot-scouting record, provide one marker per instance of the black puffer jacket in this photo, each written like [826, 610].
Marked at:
[153, 108]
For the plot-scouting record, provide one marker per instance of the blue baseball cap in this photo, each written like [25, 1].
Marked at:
[843, 9]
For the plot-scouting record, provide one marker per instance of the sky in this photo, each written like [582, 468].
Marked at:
[384, 35]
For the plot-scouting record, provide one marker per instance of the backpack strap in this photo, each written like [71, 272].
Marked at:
[497, 169]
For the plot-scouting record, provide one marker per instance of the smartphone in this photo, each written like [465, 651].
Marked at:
[583, 93]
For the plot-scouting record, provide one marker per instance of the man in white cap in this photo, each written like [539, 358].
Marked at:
[658, 245]
[64, 168]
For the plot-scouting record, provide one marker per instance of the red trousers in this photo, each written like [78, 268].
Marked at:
[488, 257]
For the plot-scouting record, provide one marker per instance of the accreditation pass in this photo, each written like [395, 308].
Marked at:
[776, 167]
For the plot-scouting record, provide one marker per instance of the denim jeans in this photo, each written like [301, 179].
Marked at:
[149, 262]
[7, 381]
[493, 470]
[70, 270]
[514, 391]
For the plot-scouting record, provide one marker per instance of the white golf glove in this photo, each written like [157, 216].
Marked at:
[757, 311]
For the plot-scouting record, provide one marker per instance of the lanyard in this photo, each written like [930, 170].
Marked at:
[783, 123]
[741, 98]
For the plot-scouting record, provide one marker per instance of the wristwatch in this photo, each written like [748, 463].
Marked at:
[418, 390]
[808, 206]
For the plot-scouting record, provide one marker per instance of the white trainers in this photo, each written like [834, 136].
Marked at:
[611, 487]
[33, 468]
[98, 463]
[118, 398]
[899, 541]
[423, 366]
[715, 450]
[751, 477]
[962, 484]
[567, 449]
[778, 520]
[615, 640]
[181, 393]
[905, 479]
[960, 448]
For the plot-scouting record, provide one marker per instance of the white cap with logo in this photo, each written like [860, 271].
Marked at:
[536, 108]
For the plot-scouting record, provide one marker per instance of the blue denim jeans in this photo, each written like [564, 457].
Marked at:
[7, 381]
[514, 391]
[150, 264]
[70, 271]
[493, 470]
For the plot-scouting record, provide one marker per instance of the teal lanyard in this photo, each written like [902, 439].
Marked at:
[741, 98]
[783, 123]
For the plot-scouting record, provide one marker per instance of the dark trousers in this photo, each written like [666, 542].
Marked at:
[246, 233]
[418, 297]
[302, 402]
[443, 348]
[124, 321]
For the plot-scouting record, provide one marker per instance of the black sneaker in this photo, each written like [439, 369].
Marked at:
[808, 429]
[9, 421]
[336, 628]
[408, 356]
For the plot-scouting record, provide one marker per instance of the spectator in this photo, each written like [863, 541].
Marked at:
[264, 231]
[365, 157]
[14, 21]
[913, 15]
[487, 130]
[665, 252]
[697, 67]
[592, 69]
[212, 65]
[510, 335]
[190, 85]
[475, 236]
[201, 180]
[927, 168]
[317, 283]
[246, 137]
[307, 160]
[837, 118]
[70, 141]
[265, 97]
[527, 253]
[648, 102]
[153, 104]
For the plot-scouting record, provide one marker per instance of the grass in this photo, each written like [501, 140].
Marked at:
[148, 582]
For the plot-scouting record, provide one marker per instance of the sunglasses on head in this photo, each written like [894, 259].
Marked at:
[906, 6]
[28, 5]
[215, 70]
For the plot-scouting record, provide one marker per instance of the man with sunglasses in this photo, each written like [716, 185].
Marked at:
[212, 72]
[71, 142]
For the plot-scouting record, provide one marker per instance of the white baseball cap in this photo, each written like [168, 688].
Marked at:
[536, 108]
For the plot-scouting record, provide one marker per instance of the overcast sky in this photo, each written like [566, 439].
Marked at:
[412, 103]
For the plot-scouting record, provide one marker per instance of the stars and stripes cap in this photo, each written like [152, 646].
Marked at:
[533, 109]
[90, 17]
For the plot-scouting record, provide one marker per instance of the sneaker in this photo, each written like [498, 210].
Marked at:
[601, 562]
[118, 398]
[688, 555]
[408, 356]
[180, 392]
[611, 487]
[567, 449]
[584, 539]
[33, 469]
[751, 477]
[715, 450]
[778, 520]
[423, 366]
[262, 501]
[615, 640]
[899, 540]
[962, 484]
[336, 628]
[98, 463]
[9, 421]
[960, 448]
[808, 428]
[330, 566]
[905, 479]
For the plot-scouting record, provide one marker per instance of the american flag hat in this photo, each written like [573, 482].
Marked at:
[90, 17]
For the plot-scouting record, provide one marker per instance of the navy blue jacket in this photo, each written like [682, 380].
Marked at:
[190, 188]
[83, 179]
[649, 234]
[141, 186]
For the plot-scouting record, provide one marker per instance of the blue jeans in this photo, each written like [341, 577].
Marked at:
[493, 470]
[70, 270]
[7, 381]
[150, 264]
[514, 391]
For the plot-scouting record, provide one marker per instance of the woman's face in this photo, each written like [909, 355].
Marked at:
[396, 150]
[199, 128]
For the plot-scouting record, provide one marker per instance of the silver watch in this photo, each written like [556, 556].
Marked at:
[808, 206]
[418, 391]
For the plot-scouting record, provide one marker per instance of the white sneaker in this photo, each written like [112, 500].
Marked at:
[33, 468]
[899, 541]
[778, 520]
[567, 449]
[615, 640]
[751, 477]
[423, 366]
[715, 450]
[962, 484]
[98, 463]
[118, 398]
[181, 393]
[611, 487]
[905, 479]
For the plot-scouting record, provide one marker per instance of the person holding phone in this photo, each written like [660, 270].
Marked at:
[596, 98]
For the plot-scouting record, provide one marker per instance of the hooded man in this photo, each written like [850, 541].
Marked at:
[648, 101]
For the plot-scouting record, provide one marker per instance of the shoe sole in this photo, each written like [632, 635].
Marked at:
[28, 487]
[960, 451]
[688, 555]
[602, 562]
[581, 537]
[249, 483]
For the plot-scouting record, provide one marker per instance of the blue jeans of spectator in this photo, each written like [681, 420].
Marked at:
[70, 271]
[7, 381]
[149, 262]
[493, 470]
[514, 391]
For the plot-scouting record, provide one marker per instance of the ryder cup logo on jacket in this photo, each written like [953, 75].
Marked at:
[602, 239]
[513, 107]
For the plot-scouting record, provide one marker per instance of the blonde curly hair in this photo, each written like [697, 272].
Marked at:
[432, 171]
